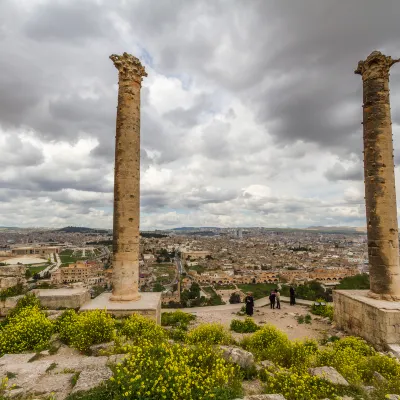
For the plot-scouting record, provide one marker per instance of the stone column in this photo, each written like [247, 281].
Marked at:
[127, 179]
[380, 192]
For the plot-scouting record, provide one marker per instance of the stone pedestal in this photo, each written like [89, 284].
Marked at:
[55, 299]
[148, 305]
[377, 321]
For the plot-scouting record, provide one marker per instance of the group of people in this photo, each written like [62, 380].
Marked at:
[274, 298]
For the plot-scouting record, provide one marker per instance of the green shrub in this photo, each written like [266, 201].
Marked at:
[178, 334]
[300, 386]
[307, 319]
[156, 371]
[268, 343]
[28, 301]
[16, 290]
[176, 318]
[300, 319]
[246, 326]
[29, 329]
[349, 357]
[137, 328]
[301, 355]
[209, 334]
[85, 329]
[322, 310]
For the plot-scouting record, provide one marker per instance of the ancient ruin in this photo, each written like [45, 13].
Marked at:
[127, 179]
[125, 298]
[368, 313]
[380, 192]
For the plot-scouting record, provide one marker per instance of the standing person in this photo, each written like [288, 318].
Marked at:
[278, 299]
[292, 297]
[249, 301]
[272, 298]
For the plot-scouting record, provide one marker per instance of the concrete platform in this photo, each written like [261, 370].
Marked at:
[377, 321]
[55, 299]
[148, 305]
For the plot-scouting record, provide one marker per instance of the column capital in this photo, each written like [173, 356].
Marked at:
[129, 67]
[376, 65]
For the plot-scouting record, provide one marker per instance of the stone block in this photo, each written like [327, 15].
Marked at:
[89, 379]
[329, 374]
[377, 321]
[54, 299]
[149, 305]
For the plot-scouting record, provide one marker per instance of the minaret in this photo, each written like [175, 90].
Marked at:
[380, 192]
[127, 179]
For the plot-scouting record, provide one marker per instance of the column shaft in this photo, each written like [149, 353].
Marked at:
[127, 180]
[380, 191]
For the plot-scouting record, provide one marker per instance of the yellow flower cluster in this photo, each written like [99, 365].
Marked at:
[138, 328]
[269, 343]
[85, 329]
[175, 372]
[176, 318]
[209, 334]
[295, 386]
[29, 329]
[246, 326]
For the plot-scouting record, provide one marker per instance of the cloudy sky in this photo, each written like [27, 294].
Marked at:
[250, 112]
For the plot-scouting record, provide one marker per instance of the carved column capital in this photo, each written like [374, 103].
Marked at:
[375, 66]
[129, 67]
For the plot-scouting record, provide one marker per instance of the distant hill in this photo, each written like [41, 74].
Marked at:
[81, 229]
[192, 228]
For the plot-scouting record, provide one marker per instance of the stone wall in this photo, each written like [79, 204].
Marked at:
[55, 299]
[8, 304]
[11, 275]
[377, 321]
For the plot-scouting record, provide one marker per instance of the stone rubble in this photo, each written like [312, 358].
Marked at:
[329, 374]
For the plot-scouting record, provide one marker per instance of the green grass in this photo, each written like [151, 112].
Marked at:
[198, 268]
[224, 287]
[259, 290]
[36, 270]
[67, 257]
[208, 289]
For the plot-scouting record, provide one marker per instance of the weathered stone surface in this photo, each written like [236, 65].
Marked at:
[98, 349]
[380, 192]
[378, 377]
[377, 321]
[60, 385]
[65, 298]
[264, 397]
[329, 374]
[267, 364]
[79, 363]
[238, 356]
[89, 379]
[117, 358]
[393, 397]
[126, 179]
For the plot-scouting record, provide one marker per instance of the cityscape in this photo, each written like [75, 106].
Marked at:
[222, 261]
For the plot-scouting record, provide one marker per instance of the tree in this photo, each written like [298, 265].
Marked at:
[360, 281]
[158, 287]
[235, 298]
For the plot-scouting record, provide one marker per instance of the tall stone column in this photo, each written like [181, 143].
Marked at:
[380, 192]
[127, 179]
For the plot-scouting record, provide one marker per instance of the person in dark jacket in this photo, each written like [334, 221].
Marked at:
[292, 297]
[272, 298]
[249, 301]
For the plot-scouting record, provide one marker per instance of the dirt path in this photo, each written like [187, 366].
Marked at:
[284, 319]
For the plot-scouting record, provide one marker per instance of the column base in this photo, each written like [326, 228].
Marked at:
[149, 305]
[386, 297]
[377, 321]
[130, 297]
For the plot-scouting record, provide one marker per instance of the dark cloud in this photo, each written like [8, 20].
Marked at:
[339, 173]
